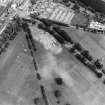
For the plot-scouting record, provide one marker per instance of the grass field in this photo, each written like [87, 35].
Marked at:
[14, 69]
[18, 83]
[81, 87]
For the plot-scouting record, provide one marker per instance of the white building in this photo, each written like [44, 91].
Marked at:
[96, 25]
[62, 14]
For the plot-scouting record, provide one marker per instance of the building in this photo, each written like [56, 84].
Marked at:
[54, 11]
[96, 25]
[62, 14]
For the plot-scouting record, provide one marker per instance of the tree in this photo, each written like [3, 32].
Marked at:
[98, 64]
[63, 34]
[78, 47]
[72, 50]
[92, 68]
[33, 2]
[85, 53]
[103, 70]
[99, 74]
